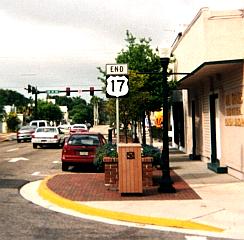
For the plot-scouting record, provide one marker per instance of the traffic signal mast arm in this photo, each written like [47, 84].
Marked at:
[33, 90]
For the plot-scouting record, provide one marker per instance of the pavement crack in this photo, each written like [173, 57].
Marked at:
[210, 213]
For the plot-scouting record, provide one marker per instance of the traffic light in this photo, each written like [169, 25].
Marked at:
[67, 91]
[33, 90]
[29, 88]
[91, 91]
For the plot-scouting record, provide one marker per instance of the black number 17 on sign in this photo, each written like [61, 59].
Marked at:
[117, 86]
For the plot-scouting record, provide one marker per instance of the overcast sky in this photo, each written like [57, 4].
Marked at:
[53, 44]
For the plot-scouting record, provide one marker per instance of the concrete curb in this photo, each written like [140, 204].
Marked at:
[54, 198]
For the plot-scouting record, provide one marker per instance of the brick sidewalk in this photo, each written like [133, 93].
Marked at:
[90, 187]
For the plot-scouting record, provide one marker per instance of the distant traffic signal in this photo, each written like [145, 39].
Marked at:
[91, 91]
[29, 88]
[67, 91]
[33, 90]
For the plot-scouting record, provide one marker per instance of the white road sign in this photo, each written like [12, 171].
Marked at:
[116, 69]
[117, 86]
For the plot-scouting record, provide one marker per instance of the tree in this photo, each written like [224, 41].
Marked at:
[49, 111]
[2, 112]
[64, 101]
[145, 89]
[81, 112]
[12, 121]
[9, 97]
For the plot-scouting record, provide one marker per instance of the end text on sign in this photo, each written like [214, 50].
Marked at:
[116, 69]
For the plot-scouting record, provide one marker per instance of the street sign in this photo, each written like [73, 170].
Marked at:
[116, 69]
[52, 91]
[117, 86]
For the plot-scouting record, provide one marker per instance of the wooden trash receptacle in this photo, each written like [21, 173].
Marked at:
[130, 168]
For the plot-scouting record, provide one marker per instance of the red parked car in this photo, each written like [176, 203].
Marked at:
[80, 148]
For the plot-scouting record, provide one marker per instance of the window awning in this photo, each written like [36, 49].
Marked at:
[208, 69]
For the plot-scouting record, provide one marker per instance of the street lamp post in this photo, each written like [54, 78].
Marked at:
[165, 182]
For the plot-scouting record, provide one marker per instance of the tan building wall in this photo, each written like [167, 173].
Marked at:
[232, 122]
[212, 49]
[211, 36]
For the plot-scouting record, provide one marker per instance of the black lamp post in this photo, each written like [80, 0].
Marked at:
[165, 182]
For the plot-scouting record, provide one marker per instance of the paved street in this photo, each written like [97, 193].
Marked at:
[21, 219]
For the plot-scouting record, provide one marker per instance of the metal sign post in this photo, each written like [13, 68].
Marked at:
[117, 122]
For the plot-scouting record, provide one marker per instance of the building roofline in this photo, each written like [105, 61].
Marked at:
[182, 34]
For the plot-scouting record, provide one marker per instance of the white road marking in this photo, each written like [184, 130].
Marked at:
[56, 161]
[39, 174]
[13, 149]
[13, 160]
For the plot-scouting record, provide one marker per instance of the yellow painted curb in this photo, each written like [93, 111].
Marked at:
[52, 197]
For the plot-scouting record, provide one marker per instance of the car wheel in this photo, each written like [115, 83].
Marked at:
[34, 145]
[18, 140]
[65, 167]
[61, 144]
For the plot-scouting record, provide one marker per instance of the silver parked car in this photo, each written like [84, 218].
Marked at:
[51, 136]
[25, 133]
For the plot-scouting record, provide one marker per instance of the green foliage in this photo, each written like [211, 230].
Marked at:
[12, 121]
[145, 90]
[110, 150]
[64, 101]
[103, 111]
[151, 151]
[9, 97]
[81, 112]
[49, 111]
[2, 112]
[106, 150]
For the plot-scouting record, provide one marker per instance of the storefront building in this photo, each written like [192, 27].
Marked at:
[211, 50]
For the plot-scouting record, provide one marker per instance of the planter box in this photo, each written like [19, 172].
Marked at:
[112, 172]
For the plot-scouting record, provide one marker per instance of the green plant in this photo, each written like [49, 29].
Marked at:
[106, 150]
[110, 150]
[12, 121]
[151, 151]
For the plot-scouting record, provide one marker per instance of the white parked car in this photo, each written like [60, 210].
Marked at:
[48, 136]
[78, 128]
[39, 123]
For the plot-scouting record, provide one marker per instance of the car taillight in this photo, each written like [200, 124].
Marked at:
[55, 136]
[33, 135]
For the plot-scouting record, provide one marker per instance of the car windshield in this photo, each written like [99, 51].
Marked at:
[46, 130]
[88, 140]
[26, 128]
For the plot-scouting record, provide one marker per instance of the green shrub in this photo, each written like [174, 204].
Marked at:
[107, 150]
[12, 121]
[151, 151]
[110, 150]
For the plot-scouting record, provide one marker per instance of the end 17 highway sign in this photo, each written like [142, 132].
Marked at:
[117, 80]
